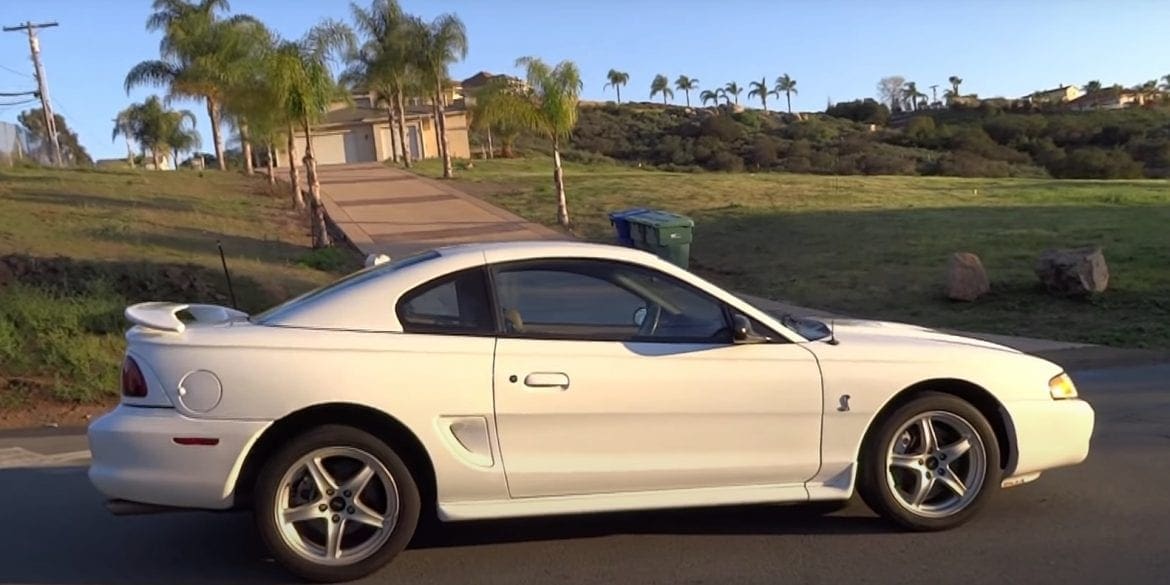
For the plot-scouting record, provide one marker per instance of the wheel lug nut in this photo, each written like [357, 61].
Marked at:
[349, 510]
[347, 493]
[322, 507]
[329, 492]
[336, 518]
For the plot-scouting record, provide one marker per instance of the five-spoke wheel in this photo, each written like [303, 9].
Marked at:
[336, 504]
[930, 464]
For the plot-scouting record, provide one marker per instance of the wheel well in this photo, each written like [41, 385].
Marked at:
[974, 394]
[372, 421]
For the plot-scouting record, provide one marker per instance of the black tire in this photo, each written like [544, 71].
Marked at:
[876, 492]
[268, 487]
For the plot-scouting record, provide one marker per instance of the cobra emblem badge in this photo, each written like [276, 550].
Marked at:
[844, 406]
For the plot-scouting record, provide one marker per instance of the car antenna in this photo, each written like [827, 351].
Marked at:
[832, 332]
[226, 274]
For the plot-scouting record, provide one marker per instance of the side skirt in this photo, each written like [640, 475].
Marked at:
[621, 502]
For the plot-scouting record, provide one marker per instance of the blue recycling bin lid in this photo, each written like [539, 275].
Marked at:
[625, 213]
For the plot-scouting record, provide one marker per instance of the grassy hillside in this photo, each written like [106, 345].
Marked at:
[877, 246]
[77, 246]
[983, 142]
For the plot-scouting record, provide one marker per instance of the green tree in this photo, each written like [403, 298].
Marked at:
[787, 86]
[1165, 82]
[955, 82]
[72, 152]
[437, 45]
[712, 96]
[616, 80]
[1093, 86]
[759, 89]
[157, 128]
[385, 61]
[304, 88]
[500, 106]
[911, 94]
[199, 56]
[549, 107]
[733, 89]
[661, 85]
[686, 85]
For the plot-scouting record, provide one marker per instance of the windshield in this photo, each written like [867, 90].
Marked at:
[353, 279]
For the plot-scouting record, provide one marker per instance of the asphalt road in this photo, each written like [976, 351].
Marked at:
[1105, 521]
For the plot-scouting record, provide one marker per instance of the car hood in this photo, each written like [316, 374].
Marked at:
[868, 331]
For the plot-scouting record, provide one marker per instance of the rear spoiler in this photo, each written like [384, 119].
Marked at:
[163, 316]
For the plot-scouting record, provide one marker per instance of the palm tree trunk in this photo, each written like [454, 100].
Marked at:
[400, 100]
[271, 162]
[246, 144]
[294, 177]
[688, 94]
[155, 158]
[316, 209]
[788, 96]
[559, 183]
[491, 148]
[390, 126]
[213, 113]
[448, 171]
[129, 153]
[619, 92]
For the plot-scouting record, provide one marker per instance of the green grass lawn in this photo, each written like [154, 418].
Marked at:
[88, 242]
[877, 246]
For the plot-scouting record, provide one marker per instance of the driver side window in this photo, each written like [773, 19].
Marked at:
[601, 300]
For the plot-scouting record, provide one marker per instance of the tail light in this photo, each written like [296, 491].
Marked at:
[133, 382]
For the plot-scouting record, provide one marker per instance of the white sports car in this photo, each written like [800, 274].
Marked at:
[522, 379]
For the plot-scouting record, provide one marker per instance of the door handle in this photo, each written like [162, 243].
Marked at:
[547, 380]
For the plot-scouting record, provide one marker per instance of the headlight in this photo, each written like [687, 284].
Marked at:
[1062, 387]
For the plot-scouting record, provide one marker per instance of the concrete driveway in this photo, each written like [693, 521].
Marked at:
[390, 211]
[1101, 522]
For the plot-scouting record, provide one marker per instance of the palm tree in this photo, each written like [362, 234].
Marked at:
[198, 56]
[733, 89]
[549, 106]
[686, 84]
[911, 94]
[124, 126]
[616, 80]
[787, 86]
[1093, 86]
[438, 44]
[760, 89]
[955, 82]
[1166, 82]
[157, 128]
[713, 96]
[496, 105]
[661, 85]
[385, 60]
[304, 88]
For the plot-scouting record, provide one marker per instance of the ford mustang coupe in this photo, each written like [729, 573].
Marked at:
[523, 379]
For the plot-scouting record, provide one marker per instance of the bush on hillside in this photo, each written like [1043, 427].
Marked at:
[867, 111]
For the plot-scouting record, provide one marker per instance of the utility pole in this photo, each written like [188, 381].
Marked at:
[34, 46]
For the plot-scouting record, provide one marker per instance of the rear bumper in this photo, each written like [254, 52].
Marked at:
[1053, 433]
[135, 457]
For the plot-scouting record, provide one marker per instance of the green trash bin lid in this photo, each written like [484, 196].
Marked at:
[662, 219]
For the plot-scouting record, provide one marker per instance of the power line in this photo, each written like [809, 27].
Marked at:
[13, 71]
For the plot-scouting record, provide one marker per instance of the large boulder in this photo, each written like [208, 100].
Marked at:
[966, 278]
[1073, 272]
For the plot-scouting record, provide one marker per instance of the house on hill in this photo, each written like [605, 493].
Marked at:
[359, 131]
[1059, 95]
[1110, 98]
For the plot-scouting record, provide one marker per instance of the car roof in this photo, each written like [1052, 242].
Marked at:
[543, 248]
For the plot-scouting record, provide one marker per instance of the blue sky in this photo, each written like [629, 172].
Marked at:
[834, 48]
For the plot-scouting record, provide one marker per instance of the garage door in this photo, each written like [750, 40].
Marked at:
[329, 148]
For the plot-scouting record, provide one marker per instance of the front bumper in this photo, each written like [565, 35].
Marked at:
[1050, 433]
[135, 457]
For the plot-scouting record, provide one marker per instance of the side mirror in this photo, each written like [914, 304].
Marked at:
[742, 332]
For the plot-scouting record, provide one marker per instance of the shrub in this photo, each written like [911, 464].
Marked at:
[725, 161]
[1098, 163]
[867, 111]
[764, 152]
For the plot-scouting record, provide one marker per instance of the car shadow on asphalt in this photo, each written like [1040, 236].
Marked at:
[804, 519]
[58, 532]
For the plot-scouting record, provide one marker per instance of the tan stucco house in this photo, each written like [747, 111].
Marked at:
[358, 132]
[1109, 98]
[1059, 95]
